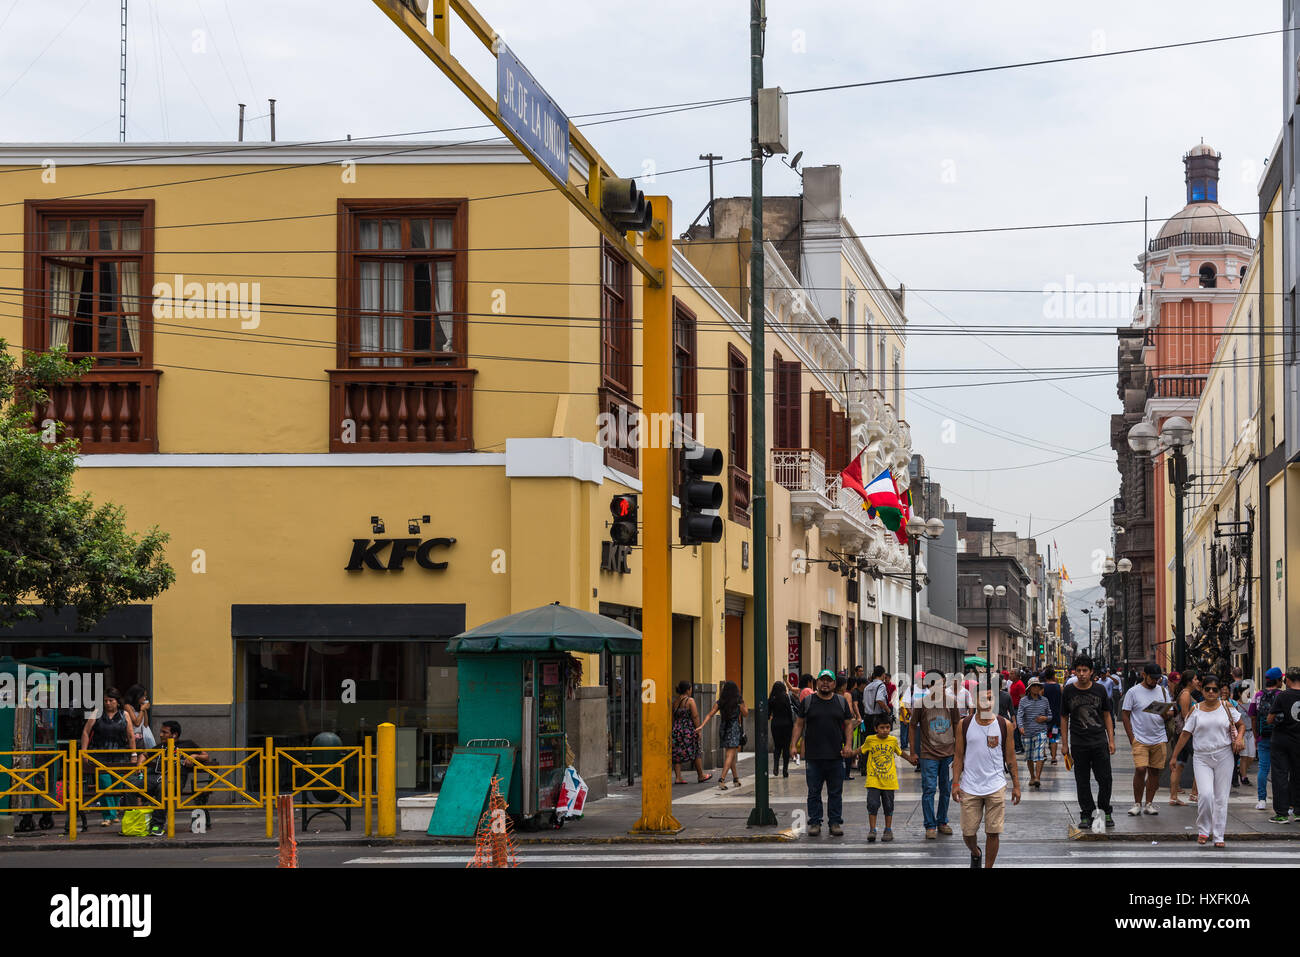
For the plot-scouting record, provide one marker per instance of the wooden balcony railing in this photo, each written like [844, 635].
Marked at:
[106, 410]
[739, 495]
[401, 410]
[1175, 386]
[618, 417]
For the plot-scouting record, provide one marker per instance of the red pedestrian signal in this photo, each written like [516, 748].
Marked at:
[622, 530]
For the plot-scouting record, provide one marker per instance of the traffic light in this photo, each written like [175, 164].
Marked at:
[1041, 648]
[622, 530]
[624, 205]
[696, 494]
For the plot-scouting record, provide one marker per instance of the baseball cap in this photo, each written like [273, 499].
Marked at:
[825, 673]
[1273, 673]
[1151, 668]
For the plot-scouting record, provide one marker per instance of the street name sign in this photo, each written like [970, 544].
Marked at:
[531, 114]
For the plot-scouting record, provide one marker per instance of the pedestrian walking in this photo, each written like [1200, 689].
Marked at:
[1032, 720]
[686, 740]
[1088, 739]
[1052, 692]
[825, 724]
[842, 689]
[984, 750]
[1285, 719]
[1147, 737]
[1017, 690]
[882, 776]
[1242, 701]
[1215, 730]
[933, 740]
[875, 696]
[1258, 712]
[780, 711]
[730, 709]
[1187, 695]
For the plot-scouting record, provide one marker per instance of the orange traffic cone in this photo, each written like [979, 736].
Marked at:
[495, 836]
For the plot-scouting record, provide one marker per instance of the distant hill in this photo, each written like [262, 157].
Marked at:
[1075, 604]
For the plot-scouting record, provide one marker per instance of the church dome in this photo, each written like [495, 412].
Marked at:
[1202, 222]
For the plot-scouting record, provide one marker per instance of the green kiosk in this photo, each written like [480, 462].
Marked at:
[26, 725]
[514, 678]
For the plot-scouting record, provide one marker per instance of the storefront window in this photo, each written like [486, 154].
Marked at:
[291, 691]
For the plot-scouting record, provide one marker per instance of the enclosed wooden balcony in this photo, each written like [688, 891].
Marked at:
[106, 410]
[401, 410]
[740, 491]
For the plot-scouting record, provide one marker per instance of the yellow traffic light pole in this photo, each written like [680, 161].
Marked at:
[655, 265]
[656, 555]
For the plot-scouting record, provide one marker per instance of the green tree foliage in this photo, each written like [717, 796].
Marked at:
[58, 548]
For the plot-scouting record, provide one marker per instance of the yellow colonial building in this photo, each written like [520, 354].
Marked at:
[369, 391]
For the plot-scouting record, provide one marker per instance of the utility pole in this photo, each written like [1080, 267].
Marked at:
[762, 814]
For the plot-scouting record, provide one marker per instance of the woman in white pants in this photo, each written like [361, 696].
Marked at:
[1216, 733]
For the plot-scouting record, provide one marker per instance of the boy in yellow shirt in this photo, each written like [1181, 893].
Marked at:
[882, 775]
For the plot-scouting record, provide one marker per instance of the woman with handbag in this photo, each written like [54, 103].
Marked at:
[1215, 730]
[730, 708]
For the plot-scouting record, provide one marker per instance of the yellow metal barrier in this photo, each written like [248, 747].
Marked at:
[34, 778]
[238, 779]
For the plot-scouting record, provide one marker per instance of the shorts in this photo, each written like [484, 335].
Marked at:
[1149, 755]
[1036, 746]
[1054, 733]
[991, 807]
[1251, 750]
[876, 797]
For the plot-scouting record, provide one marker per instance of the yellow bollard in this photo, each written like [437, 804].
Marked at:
[268, 785]
[171, 790]
[70, 789]
[386, 786]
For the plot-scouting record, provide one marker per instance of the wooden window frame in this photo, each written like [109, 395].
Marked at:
[737, 417]
[616, 324]
[348, 292]
[35, 319]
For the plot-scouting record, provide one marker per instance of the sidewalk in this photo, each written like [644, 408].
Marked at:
[711, 816]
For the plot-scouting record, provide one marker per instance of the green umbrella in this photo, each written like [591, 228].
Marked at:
[977, 661]
[553, 627]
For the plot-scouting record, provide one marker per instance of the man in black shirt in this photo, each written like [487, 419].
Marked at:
[1088, 739]
[1284, 719]
[826, 724]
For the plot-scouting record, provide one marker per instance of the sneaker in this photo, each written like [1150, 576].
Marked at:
[814, 830]
[976, 860]
[1244, 779]
[931, 834]
[156, 830]
[945, 829]
[1110, 821]
[1279, 819]
[1261, 805]
[1150, 808]
[887, 836]
[1085, 822]
[871, 836]
[837, 831]
[1135, 810]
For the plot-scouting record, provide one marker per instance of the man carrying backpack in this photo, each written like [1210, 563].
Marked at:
[1284, 716]
[1258, 711]
[825, 722]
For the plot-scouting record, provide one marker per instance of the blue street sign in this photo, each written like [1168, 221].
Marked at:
[531, 114]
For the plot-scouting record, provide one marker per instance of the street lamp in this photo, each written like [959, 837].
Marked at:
[1124, 566]
[1031, 593]
[916, 528]
[1110, 632]
[1175, 435]
[989, 592]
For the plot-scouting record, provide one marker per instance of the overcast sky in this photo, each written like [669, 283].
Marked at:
[1059, 143]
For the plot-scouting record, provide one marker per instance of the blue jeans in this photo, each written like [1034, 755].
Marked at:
[1264, 755]
[828, 771]
[935, 774]
[903, 730]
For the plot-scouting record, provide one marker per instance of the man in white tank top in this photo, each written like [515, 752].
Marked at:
[985, 748]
